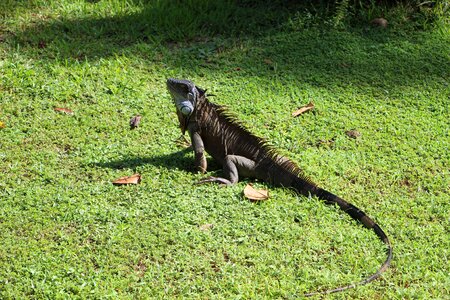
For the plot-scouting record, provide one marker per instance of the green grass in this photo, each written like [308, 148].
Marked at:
[67, 232]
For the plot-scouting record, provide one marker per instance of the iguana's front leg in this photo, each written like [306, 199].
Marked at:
[199, 148]
[233, 167]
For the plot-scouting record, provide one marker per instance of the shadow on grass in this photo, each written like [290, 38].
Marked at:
[176, 160]
[197, 34]
[156, 22]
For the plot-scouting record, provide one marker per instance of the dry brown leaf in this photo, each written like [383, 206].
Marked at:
[206, 227]
[303, 109]
[354, 134]
[134, 121]
[268, 61]
[133, 179]
[255, 195]
[2, 125]
[64, 110]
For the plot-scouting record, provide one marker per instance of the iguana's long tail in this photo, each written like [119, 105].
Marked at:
[360, 216]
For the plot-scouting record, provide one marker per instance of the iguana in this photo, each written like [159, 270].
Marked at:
[242, 154]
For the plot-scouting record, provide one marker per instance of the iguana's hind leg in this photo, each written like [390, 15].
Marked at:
[233, 166]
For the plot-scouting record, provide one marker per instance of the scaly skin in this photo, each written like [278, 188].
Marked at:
[243, 154]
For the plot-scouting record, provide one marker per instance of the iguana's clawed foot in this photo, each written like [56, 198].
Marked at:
[219, 180]
[183, 142]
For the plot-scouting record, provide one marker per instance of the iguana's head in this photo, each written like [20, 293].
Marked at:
[184, 95]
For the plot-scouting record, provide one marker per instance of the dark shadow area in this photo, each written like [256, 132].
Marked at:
[9, 7]
[176, 160]
[281, 39]
[179, 160]
[158, 22]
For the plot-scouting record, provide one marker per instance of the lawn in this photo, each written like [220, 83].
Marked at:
[67, 232]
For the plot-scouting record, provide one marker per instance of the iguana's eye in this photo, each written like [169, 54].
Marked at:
[190, 96]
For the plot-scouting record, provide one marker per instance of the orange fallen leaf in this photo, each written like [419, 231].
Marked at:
[255, 195]
[303, 109]
[64, 110]
[206, 227]
[133, 179]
